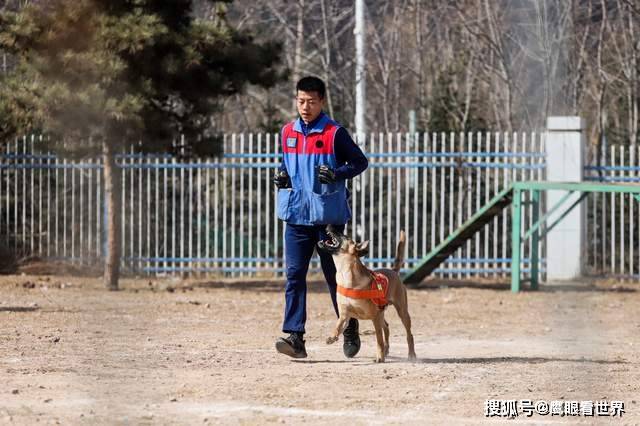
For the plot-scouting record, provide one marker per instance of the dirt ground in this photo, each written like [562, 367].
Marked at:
[194, 352]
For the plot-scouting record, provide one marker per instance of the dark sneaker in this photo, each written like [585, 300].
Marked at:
[351, 345]
[292, 346]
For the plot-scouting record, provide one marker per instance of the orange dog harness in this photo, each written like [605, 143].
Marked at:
[377, 293]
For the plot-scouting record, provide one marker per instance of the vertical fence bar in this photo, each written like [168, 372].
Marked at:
[457, 194]
[49, 161]
[225, 207]
[64, 208]
[90, 209]
[540, 149]
[72, 165]
[182, 215]
[405, 199]
[525, 174]
[98, 208]
[148, 162]
[190, 163]
[380, 211]
[487, 187]
[81, 207]
[276, 246]
[603, 206]
[32, 204]
[423, 184]
[241, 194]
[622, 221]
[157, 213]
[452, 197]
[506, 181]
[497, 266]
[123, 215]
[472, 246]
[16, 179]
[483, 183]
[141, 216]
[389, 196]
[165, 210]
[131, 236]
[207, 218]
[363, 197]
[442, 172]
[233, 203]
[174, 210]
[373, 211]
[632, 219]
[250, 222]
[268, 191]
[23, 240]
[216, 216]
[398, 197]
[613, 217]
[197, 266]
[7, 191]
[432, 197]
[260, 171]
[636, 174]
[415, 179]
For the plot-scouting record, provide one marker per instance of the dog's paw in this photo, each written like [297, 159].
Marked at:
[379, 360]
[331, 340]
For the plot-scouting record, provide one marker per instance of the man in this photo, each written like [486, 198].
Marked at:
[318, 157]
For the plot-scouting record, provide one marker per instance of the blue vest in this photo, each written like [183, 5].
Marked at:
[310, 202]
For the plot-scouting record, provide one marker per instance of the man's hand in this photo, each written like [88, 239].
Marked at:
[326, 174]
[281, 179]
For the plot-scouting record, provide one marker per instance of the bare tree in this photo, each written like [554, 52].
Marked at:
[506, 65]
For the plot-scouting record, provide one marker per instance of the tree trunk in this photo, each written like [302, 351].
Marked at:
[111, 177]
[327, 56]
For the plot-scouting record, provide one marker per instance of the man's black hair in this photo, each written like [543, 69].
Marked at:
[311, 84]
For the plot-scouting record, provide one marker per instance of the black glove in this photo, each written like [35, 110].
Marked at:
[281, 179]
[326, 174]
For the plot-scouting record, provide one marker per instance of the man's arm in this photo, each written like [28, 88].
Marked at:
[351, 160]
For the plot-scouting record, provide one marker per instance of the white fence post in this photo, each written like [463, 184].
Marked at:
[565, 163]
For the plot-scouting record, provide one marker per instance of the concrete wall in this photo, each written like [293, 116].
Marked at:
[565, 163]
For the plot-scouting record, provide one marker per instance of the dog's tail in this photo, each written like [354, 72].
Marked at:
[400, 252]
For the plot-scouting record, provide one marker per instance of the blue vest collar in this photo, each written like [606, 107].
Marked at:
[316, 126]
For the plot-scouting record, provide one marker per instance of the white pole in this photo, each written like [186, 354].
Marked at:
[359, 33]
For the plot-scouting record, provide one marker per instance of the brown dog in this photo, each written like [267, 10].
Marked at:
[356, 299]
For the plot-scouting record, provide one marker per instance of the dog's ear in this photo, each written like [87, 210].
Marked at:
[362, 249]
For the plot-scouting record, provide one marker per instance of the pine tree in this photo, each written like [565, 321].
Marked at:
[116, 72]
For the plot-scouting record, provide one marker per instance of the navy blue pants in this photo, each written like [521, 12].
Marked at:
[300, 243]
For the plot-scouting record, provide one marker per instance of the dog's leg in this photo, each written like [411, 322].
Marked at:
[340, 325]
[385, 328]
[403, 312]
[378, 325]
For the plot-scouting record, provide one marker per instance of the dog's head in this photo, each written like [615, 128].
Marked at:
[338, 243]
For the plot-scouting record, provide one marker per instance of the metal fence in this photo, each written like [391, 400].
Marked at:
[613, 225]
[217, 216]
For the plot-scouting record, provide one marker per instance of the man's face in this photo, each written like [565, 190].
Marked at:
[310, 105]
